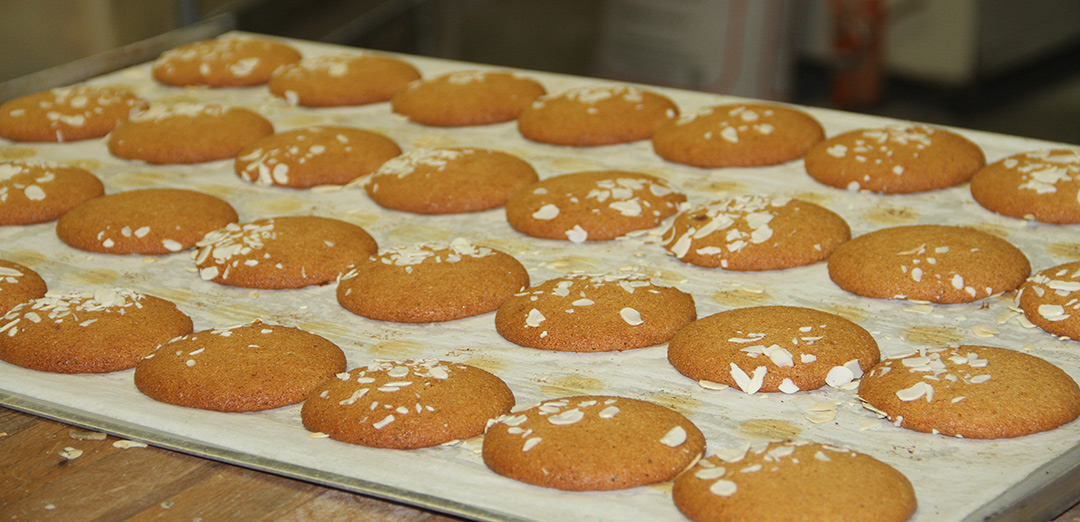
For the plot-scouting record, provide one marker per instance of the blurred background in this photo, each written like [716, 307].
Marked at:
[997, 65]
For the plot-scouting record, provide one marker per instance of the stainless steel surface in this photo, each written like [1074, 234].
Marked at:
[114, 59]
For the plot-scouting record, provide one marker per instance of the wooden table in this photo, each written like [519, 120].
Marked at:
[104, 482]
[108, 483]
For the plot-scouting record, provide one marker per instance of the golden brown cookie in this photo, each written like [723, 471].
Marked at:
[66, 114]
[237, 61]
[406, 404]
[449, 181]
[895, 159]
[466, 98]
[774, 348]
[146, 221]
[794, 480]
[340, 80]
[1043, 185]
[738, 135]
[18, 284]
[251, 367]
[592, 443]
[431, 282]
[755, 233]
[281, 252]
[310, 156]
[1051, 300]
[975, 392]
[187, 133]
[107, 330]
[37, 192]
[936, 263]
[595, 313]
[596, 115]
[592, 206]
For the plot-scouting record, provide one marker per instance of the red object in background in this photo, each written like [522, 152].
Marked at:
[857, 42]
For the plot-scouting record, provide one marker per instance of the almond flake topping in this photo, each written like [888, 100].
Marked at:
[534, 318]
[567, 417]
[530, 443]
[608, 412]
[739, 221]
[1053, 312]
[916, 391]
[839, 376]
[746, 383]
[10, 272]
[128, 444]
[674, 438]
[710, 473]
[788, 386]
[57, 306]
[723, 488]
[70, 453]
[631, 316]
[546, 212]
[577, 234]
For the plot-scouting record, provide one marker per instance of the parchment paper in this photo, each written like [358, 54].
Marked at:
[953, 478]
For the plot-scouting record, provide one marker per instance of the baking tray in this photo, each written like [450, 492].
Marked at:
[955, 479]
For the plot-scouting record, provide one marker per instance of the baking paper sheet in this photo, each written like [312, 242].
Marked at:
[954, 479]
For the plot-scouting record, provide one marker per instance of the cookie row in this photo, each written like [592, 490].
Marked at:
[767, 349]
[1039, 185]
[939, 264]
[743, 233]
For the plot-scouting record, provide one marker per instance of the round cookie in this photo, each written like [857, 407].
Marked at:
[342, 80]
[896, 159]
[1049, 300]
[975, 392]
[145, 221]
[37, 192]
[431, 282]
[592, 206]
[310, 156]
[449, 181]
[794, 480]
[588, 443]
[466, 98]
[406, 404]
[749, 233]
[595, 313]
[107, 330]
[238, 61]
[936, 263]
[773, 348]
[281, 252]
[1043, 185]
[738, 135]
[187, 133]
[251, 367]
[597, 115]
[18, 284]
[66, 114]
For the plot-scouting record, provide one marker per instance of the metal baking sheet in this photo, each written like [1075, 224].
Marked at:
[954, 479]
